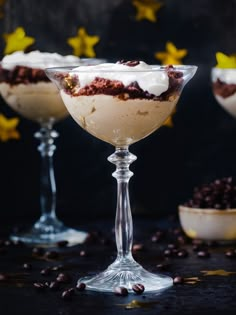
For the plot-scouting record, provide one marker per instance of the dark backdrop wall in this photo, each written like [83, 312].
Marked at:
[199, 148]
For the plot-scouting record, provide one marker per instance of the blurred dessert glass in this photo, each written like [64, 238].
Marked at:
[223, 77]
[26, 89]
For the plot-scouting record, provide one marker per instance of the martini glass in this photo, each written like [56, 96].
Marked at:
[122, 104]
[224, 88]
[35, 97]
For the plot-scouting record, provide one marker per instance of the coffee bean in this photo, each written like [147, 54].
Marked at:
[163, 267]
[46, 271]
[168, 252]
[155, 238]
[3, 277]
[38, 251]
[81, 286]
[54, 285]
[122, 291]
[138, 288]
[172, 246]
[178, 280]
[138, 247]
[230, 253]
[62, 243]
[203, 254]
[83, 253]
[67, 294]
[27, 266]
[51, 255]
[63, 277]
[182, 253]
[39, 286]
[58, 267]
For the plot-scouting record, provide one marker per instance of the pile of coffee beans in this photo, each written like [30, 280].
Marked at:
[219, 194]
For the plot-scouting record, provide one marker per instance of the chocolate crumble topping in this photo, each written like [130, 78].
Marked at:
[117, 88]
[22, 74]
[223, 89]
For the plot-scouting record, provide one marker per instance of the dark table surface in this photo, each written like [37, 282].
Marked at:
[209, 294]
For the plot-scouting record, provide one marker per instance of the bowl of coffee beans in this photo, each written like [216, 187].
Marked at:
[210, 213]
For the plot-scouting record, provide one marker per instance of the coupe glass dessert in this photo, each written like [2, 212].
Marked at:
[224, 88]
[25, 88]
[223, 77]
[121, 103]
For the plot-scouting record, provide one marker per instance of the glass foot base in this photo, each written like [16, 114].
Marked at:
[49, 235]
[111, 278]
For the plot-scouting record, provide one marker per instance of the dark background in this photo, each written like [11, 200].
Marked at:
[199, 148]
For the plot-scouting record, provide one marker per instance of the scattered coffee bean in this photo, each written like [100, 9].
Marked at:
[122, 291]
[168, 252]
[230, 253]
[178, 280]
[51, 255]
[172, 246]
[8, 243]
[58, 268]
[81, 286]
[83, 253]
[63, 277]
[67, 294]
[62, 243]
[182, 253]
[54, 285]
[3, 277]
[39, 286]
[27, 266]
[203, 254]
[138, 288]
[155, 238]
[38, 251]
[163, 267]
[46, 271]
[138, 247]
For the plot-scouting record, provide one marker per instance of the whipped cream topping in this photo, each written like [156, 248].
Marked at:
[37, 59]
[225, 75]
[154, 82]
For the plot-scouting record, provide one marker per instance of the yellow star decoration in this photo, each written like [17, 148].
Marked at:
[147, 9]
[218, 272]
[172, 55]
[17, 40]
[83, 43]
[8, 128]
[224, 61]
[2, 2]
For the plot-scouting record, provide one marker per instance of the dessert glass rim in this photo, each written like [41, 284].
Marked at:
[41, 64]
[153, 68]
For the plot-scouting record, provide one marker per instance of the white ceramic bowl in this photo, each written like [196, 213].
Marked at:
[208, 224]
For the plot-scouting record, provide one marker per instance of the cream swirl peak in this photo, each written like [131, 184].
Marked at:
[37, 59]
[154, 82]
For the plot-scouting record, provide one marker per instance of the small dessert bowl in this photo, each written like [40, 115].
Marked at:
[208, 224]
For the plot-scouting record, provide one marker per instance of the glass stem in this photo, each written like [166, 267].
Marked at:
[46, 135]
[122, 158]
